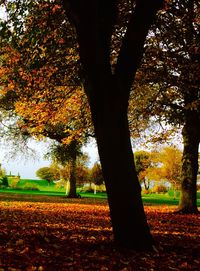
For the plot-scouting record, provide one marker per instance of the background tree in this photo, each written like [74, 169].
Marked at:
[81, 176]
[170, 85]
[82, 169]
[47, 173]
[96, 174]
[2, 171]
[165, 166]
[3, 177]
[142, 163]
[57, 108]
[4, 181]
[37, 63]
[170, 165]
[67, 156]
[95, 177]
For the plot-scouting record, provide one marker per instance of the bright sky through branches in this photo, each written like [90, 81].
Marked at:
[27, 165]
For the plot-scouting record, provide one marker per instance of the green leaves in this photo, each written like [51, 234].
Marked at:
[48, 173]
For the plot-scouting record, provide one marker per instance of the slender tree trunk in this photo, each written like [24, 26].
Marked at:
[72, 180]
[146, 184]
[191, 130]
[95, 189]
[67, 187]
[190, 133]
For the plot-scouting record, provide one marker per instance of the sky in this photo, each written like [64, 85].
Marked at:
[27, 164]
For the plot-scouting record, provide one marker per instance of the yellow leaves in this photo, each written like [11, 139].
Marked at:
[40, 107]
[10, 55]
[162, 165]
[40, 111]
[72, 135]
[153, 173]
[3, 71]
[35, 268]
[11, 86]
[44, 91]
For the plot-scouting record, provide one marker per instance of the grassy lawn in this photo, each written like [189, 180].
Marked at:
[160, 199]
[51, 190]
[151, 199]
[42, 185]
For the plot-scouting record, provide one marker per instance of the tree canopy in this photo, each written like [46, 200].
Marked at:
[167, 88]
[32, 59]
[48, 174]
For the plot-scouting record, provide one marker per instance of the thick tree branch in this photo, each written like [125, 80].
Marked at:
[94, 20]
[131, 51]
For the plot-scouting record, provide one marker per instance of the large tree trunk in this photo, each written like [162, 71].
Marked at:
[124, 192]
[190, 133]
[108, 95]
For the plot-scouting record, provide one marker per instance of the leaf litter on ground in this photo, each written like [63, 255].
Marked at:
[50, 233]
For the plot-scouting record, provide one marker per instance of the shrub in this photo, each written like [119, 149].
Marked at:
[90, 188]
[87, 189]
[14, 183]
[159, 189]
[146, 191]
[4, 181]
[31, 187]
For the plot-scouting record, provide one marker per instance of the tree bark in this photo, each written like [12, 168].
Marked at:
[129, 223]
[146, 183]
[191, 136]
[108, 96]
[191, 131]
[72, 180]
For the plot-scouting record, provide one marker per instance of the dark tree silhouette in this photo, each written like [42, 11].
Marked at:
[108, 89]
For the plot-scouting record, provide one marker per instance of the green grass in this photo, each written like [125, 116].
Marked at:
[152, 199]
[99, 195]
[51, 190]
[160, 199]
[32, 192]
[42, 185]
[31, 182]
[165, 199]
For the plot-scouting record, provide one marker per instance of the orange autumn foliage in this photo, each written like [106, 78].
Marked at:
[39, 73]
